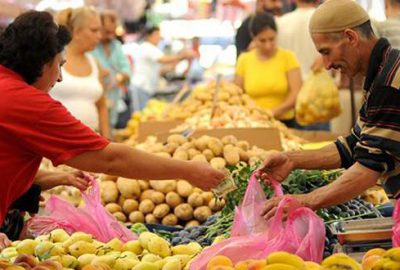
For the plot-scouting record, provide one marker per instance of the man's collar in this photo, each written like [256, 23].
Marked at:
[375, 61]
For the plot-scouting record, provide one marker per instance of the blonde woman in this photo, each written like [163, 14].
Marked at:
[81, 91]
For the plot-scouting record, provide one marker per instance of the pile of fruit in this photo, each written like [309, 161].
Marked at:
[285, 261]
[169, 202]
[380, 259]
[58, 250]
[227, 151]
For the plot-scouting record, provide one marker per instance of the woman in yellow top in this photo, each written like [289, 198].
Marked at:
[268, 74]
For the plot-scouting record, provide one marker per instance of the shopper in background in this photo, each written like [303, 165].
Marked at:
[33, 125]
[295, 36]
[116, 64]
[390, 28]
[269, 74]
[342, 33]
[150, 64]
[81, 90]
[243, 37]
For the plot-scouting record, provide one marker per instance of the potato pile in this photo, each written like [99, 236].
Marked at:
[169, 202]
[227, 116]
[202, 97]
[218, 152]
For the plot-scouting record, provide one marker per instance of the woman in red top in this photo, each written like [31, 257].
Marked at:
[33, 125]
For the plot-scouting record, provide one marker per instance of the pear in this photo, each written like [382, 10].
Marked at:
[9, 252]
[144, 238]
[69, 261]
[151, 258]
[133, 246]
[172, 265]
[115, 244]
[58, 236]
[81, 247]
[159, 246]
[27, 246]
[145, 266]
[129, 254]
[106, 259]
[86, 259]
[78, 236]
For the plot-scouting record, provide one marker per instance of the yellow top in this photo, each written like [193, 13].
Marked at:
[266, 81]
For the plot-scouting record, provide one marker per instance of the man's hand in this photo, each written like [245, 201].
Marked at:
[204, 176]
[271, 205]
[4, 241]
[48, 180]
[277, 165]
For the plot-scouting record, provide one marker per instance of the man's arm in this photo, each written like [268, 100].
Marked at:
[350, 184]
[125, 161]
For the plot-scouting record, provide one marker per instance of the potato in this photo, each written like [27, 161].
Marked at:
[144, 185]
[129, 206]
[171, 147]
[207, 197]
[181, 155]
[151, 219]
[109, 191]
[184, 212]
[216, 205]
[201, 143]
[200, 157]
[161, 210]
[121, 200]
[192, 223]
[170, 220]
[105, 177]
[223, 96]
[173, 199]
[136, 217]
[215, 146]
[186, 146]
[202, 213]
[195, 200]
[184, 188]
[243, 155]
[113, 207]
[231, 155]
[235, 100]
[243, 145]
[218, 163]
[229, 139]
[192, 152]
[204, 96]
[129, 188]
[120, 216]
[163, 155]
[176, 138]
[157, 197]
[146, 194]
[156, 148]
[146, 206]
[163, 186]
[208, 154]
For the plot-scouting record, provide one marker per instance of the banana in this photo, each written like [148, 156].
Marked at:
[391, 265]
[379, 264]
[280, 266]
[393, 254]
[340, 260]
[286, 258]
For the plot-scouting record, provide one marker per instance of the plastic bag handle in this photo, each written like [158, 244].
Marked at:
[274, 184]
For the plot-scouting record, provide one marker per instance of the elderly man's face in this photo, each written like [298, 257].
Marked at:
[272, 6]
[338, 53]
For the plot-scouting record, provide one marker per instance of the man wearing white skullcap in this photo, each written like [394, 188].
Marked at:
[342, 33]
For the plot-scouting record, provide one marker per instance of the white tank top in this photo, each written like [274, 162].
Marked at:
[80, 94]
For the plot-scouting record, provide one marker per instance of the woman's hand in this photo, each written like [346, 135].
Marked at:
[4, 241]
[48, 180]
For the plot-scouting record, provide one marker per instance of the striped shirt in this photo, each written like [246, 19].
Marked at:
[375, 139]
[390, 29]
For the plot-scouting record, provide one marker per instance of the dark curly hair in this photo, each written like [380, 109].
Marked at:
[30, 42]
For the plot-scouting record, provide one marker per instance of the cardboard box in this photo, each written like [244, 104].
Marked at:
[265, 138]
[150, 128]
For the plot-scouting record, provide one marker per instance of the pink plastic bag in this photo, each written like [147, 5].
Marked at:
[303, 233]
[396, 227]
[92, 218]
